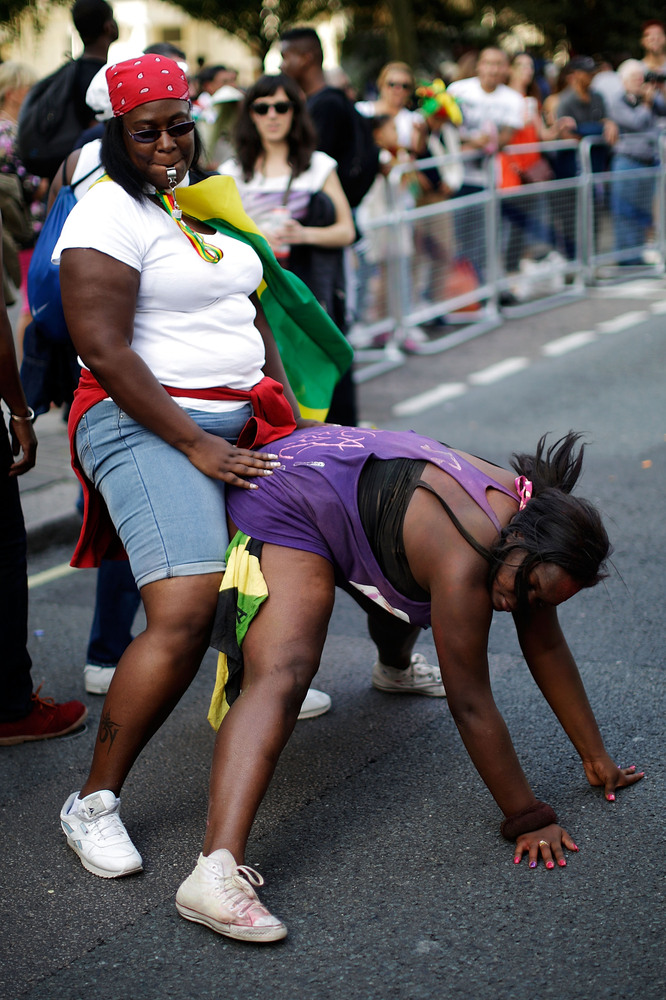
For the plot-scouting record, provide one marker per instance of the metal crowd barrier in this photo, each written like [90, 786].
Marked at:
[432, 272]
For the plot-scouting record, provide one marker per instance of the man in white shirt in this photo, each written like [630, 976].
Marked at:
[491, 113]
[491, 110]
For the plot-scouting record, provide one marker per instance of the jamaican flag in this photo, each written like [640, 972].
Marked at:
[314, 351]
[242, 592]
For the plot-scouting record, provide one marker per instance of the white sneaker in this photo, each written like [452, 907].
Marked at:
[315, 703]
[419, 678]
[97, 679]
[220, 894]
[95, 831]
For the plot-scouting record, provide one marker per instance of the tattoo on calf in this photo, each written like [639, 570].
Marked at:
[107, 730]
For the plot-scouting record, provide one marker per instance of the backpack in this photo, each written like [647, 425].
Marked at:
[48, 124]
[44, 277]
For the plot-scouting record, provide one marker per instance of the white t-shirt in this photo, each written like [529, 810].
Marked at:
[88, 166]
[485, 112]
[194, 323]
[503, 107]
[261, 195]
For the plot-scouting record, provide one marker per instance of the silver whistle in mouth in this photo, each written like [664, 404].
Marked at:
[171, 180]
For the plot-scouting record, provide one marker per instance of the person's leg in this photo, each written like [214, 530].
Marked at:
[153, 674]
[281, 654]
[398, 669]
[15, 663]
[117, 601]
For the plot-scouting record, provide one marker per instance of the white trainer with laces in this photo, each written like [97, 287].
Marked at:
[95, 831]
[220, 894]
[420, 677]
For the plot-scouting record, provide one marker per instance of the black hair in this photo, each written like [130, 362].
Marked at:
[307, 39]
[302, 138]
[208, 73]
[90, 17]
[165, 49]
[554, 527]
[118, 165]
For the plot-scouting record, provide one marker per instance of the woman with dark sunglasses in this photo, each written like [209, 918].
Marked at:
[396, 90]
[178, 362]
[279, 173]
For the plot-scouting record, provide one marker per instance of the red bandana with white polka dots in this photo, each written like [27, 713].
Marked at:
[146, 78]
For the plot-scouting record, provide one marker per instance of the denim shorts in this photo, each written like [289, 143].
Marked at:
[170, 517]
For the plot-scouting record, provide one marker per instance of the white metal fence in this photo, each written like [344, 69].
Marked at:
[432, 272]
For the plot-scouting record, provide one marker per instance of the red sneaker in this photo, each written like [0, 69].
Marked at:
[47, 719]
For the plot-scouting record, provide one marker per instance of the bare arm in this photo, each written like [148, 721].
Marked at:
[99, 297]
[11, 391]
[554, 669]
[340, 234]
[58, 180]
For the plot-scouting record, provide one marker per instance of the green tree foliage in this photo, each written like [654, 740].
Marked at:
[422, 31]
[587, 26]
[257, 23]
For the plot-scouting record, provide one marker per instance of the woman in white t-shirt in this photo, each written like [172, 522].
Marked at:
[178, 359]
[278, 170]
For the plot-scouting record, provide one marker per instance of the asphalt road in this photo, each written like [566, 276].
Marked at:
[379, 843]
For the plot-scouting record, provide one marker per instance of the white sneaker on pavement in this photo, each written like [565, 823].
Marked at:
[220, 894]
[315, 703]
[95, 831]
[420, 677]
[97, 679]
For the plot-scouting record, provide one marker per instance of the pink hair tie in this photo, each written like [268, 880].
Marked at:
[524, 490]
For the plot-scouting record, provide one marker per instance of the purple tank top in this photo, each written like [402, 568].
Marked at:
[311, 502]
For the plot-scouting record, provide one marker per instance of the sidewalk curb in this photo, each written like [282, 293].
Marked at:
[61, 530]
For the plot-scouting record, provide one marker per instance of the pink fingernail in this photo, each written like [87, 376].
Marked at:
[574, 848]
[516, 860]
[550, 864]
[611, 797]
[562, 863]
[532, 864]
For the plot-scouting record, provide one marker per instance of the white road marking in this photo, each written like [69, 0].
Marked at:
[49, 575]
[499, 371]
[622, 322]
[494, 373]
[440, 393]
[569, 343]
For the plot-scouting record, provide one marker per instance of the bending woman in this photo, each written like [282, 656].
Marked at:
[420, 534]
[179, 361]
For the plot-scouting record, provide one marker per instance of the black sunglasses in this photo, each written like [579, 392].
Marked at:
[147, 135]
[280, 107]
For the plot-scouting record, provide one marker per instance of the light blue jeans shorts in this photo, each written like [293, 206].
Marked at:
[170, 517]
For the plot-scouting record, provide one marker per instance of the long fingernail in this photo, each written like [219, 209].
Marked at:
[573, 847]
[610, 797]
[267, 472]
[532, 864]
[516, 860]
[562, 863]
